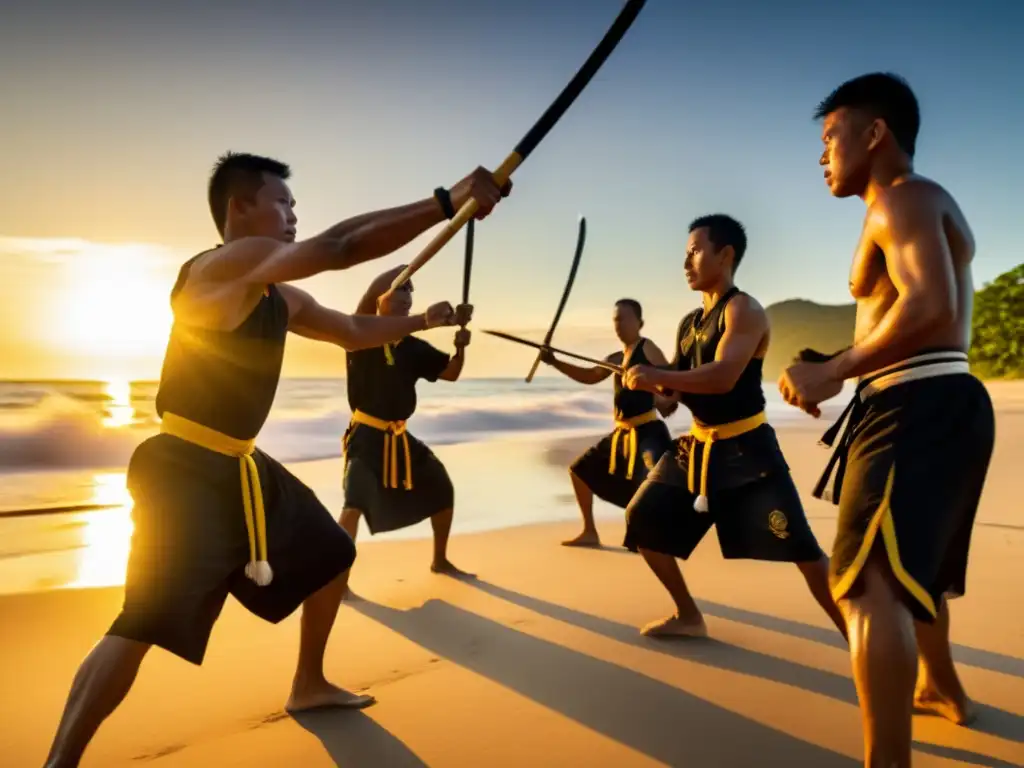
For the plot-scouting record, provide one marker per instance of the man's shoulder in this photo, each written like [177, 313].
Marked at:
[915, 197]
[743, 303]
[415, 343]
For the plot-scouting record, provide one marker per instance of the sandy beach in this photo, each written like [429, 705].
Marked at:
[539, 661]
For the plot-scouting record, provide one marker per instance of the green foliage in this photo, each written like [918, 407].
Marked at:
[997, 332]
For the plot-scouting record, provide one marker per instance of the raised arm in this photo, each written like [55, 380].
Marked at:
[261, 261]
[588, 376]
[454, 368]
[746, 325]
[308, 318]
[907, 227]
[368, 302]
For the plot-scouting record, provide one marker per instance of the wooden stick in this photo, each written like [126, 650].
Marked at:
[537, 345]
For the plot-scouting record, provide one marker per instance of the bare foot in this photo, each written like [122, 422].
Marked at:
[446, 568]
[674, 626]
[323, 695]
[585, 539]
[931, 702]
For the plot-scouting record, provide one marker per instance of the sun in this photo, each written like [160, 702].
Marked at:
[116, 306]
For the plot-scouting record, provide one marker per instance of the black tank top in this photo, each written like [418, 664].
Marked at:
[630, 402]
[696, 343]
[225, 380]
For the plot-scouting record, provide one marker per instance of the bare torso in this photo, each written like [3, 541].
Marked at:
[875, 292]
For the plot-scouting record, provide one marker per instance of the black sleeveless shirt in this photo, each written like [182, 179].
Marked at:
[697, 340]
[225, 380]
[387, 391]
[630, 403]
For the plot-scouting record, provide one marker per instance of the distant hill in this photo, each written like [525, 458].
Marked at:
[799, 323]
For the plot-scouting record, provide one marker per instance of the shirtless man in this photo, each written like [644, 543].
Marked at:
[914, 455]
[729, 470]
[198, 536]
[610, 468]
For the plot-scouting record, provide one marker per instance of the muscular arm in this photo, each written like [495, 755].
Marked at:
[907, 227]
[745, 327]
[261, 261]
[312, 320]
[593, 375]
[666, 404]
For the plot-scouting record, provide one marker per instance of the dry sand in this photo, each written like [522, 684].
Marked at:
[539, 663]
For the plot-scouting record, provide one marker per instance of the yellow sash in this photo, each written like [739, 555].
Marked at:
[626, 429]
[708, 436]
[393, 431]
[258, 569]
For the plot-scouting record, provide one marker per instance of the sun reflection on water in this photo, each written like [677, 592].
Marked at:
[120, 412]
[106, 535]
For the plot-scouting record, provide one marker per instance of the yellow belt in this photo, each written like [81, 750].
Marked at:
[627, 430]
[393, 431]
[709, 435]
[258, 569]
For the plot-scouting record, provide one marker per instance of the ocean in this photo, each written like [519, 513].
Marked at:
[64, 447]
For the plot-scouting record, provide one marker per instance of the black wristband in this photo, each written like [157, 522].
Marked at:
[445, 199]
[814, 356]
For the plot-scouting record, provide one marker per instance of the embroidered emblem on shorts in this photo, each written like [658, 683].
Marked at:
[649, 460]
[778, 523]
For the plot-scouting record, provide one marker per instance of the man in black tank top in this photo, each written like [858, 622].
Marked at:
[213, 515]
[615, 466]
[392, 478]
[920, 429]
[729, 470]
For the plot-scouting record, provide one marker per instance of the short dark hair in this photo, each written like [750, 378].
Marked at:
[882, 95]
[632, 304]
[239, 174]
[724, 230]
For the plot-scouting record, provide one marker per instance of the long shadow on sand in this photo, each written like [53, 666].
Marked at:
[994, 662]
[975, 657]
[991, 720]
[964, 756]
[659, 720]
[355, 740]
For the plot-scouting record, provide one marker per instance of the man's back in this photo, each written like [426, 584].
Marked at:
[908, 220]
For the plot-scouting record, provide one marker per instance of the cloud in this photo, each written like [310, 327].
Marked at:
[58, 250]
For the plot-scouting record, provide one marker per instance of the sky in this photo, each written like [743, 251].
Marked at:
[116, 112]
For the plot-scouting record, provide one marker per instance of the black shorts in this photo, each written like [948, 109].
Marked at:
[190, 546]
[388, 508]
[652, 440]
[914, 470]
[758, 514]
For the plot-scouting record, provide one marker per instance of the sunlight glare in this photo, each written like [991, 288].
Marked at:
[120, 412]
[117, 305]
[107, 535]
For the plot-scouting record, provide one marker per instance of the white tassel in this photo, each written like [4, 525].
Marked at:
[701, 503]
[259, 572]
